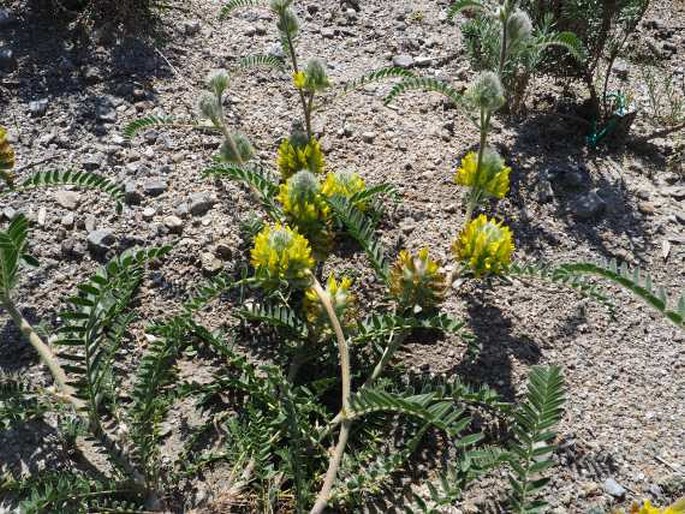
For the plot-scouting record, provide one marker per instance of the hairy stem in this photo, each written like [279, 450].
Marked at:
[46, 354]
[474, 196]
[303, 99]
[336, 458]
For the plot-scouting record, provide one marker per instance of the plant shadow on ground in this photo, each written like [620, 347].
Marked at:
[57, 60]
[15, 352]
[559, 149]
[492, 366]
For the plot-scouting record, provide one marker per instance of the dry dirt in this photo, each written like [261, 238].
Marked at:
[625, 417]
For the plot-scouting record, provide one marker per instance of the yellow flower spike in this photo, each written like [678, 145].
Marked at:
[344, 183]
[6, 158]
[485, 245]
[342, 299]
[415, 281]
[306, 209]
[292, 158]
[493, 177]
[282, 254]
[299, 79]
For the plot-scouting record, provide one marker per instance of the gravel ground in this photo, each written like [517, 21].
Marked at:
[65, 105]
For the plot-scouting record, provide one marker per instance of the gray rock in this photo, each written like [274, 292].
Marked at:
[67, 220]
[545, 191]
[276, 50]
[149, 213]
[38, 107]
[368, 137]
[588, 205]
[105, 111]
[408, 225]
[200, 204]
[68, 199]
[676, 192]
[91, 162]
[92, 74]
[620, 69]
[100, 241]
[174, 224]
[224, 249]
[72, 248]
[155, 187]
[327, 33]
[424, 62]
[131, 193]
[9, 214]
[613, 488]
[8, 62]
[90, 223]
[6, 18]
[42, 216]
[210, 263]
[182, 210]
[191, 27]
[403, 61]
[572, 178]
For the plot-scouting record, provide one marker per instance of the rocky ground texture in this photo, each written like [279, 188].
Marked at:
[65, 104]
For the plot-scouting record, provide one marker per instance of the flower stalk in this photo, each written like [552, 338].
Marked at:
[346, 422]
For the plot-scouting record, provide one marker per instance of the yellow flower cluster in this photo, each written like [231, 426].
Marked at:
[306, 209]
[6, 158]
[492, 178]
[415, 281]
[485, 245]
[344, 183]
[341, 297]
[648, 508]
[293, 158]
[282, 254]
[299, 79]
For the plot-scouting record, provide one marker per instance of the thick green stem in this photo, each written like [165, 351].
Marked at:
[474, 195]
[336, 458]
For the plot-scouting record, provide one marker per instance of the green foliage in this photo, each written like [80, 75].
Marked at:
[151, 121]
[254, 178]
[94, 325]
[19, 401]
[80, 179]
[362, 230]
[423, 84]
[230, 6]
[12, 252]
[73, 493]
[377, 76]
[561, 275]
[532, 435]
[635, 281]
[251, 62]
[502, 39]
[278, 316]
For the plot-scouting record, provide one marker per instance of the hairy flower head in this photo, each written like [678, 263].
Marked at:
[487, 92]
[306, 209]
[492, 178]
[294, 157]
[6, 158]
[519, 27]
[217, 82]
[345, 184]
[282, 254]
[210, 108]
[485, 245]
[299, 79]
[342, 299]
[243, 147]
[416, 282]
